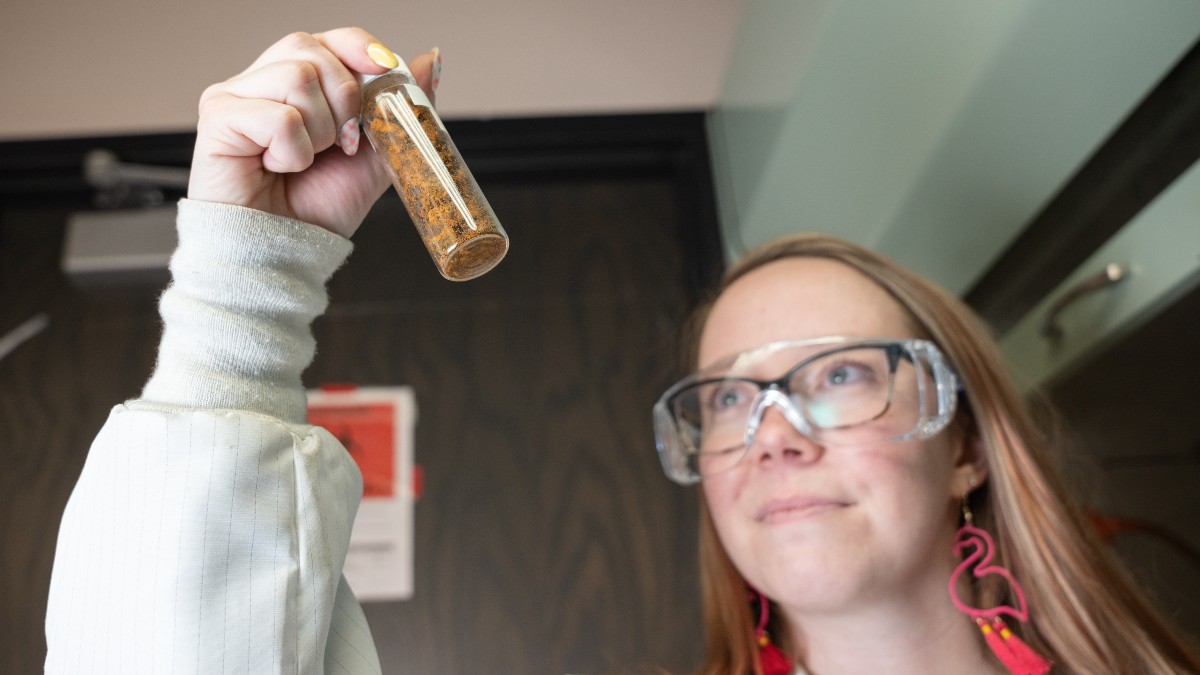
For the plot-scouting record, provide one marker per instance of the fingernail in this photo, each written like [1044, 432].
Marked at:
[382, 55]
[348, 136]
[437, 68]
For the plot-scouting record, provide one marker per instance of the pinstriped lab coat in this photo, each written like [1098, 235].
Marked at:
[208, 529]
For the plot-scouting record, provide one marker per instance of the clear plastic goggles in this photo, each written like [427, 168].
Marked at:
[835, 390]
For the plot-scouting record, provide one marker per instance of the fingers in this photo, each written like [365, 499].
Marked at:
[315, 74]
[256, 127]
[300, 97]
[293, 84]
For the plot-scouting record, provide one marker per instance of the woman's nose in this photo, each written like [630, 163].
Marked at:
[778, 441]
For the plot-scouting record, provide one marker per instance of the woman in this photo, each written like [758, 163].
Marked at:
[840, 502]
[210, 524]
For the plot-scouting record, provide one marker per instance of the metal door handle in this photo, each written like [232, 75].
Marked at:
[1112, 273]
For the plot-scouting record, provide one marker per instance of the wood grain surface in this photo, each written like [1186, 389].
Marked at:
[55, 392]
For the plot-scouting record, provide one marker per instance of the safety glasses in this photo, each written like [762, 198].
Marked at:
[834, 390]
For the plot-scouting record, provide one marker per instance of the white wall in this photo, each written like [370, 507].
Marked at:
[930, 130]
[96, 67]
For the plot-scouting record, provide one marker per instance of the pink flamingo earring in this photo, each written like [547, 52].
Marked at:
[772, 659]
[1018, 657]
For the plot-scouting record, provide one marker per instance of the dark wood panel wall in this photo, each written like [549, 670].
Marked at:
[547, 540]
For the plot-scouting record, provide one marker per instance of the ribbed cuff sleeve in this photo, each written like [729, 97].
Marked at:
[245, 288]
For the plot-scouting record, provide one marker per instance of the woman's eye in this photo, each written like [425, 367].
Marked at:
[726, 397]
[847, 373]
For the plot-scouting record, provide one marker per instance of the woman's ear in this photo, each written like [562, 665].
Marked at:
[970, 461]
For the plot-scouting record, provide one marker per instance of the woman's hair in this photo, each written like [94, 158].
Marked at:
[1084, 615]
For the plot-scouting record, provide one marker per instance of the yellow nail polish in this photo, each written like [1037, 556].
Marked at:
[382, 55]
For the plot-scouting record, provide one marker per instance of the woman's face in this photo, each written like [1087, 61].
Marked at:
[817, 528]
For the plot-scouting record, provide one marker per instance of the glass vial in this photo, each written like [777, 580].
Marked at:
[445, 203]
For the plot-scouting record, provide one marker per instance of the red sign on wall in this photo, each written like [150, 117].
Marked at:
[369, 433]
[375, 424]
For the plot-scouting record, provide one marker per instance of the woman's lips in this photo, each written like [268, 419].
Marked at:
[802, 506]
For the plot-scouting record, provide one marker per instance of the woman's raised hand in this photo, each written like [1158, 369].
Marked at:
[282, 135]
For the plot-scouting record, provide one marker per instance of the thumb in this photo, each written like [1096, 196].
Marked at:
[427, 71]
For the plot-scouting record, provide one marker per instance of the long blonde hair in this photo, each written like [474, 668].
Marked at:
[1085, 615]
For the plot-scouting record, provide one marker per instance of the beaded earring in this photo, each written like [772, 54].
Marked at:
[772, 659]
[1018, 657]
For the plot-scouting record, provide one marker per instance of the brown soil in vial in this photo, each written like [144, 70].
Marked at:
[441, 196]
